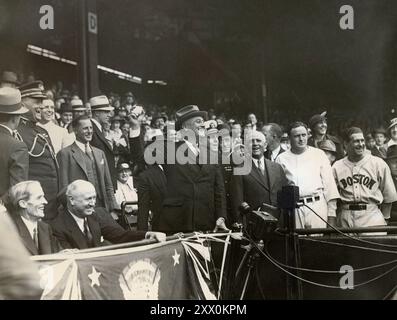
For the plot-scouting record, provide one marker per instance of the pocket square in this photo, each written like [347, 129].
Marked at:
[102, 161]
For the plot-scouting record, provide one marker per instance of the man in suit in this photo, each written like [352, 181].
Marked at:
[25, 202]
[152, 186]
[14, 158]
[43, 166]
[101, 113]
[263, 181]
[80, 225]
[195, 193]
[83, 161]
[380, 148]
[273, 133]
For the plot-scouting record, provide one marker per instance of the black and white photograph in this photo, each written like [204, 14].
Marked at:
[210, 152]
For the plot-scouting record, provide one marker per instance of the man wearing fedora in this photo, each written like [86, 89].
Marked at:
[14, 158]
[195, 194]
[379, 149]
[9, 79]
[43, 166]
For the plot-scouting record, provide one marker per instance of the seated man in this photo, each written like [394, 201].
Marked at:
[80, 225]
[25, 203]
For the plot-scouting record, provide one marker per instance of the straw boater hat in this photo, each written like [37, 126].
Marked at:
[393, 122]
[100, 103]
[10, 101]
[33, 89]
[187, 113]
[77, 105]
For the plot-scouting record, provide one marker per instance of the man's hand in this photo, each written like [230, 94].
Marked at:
[159, 236]
[134, 123]
[220, 225]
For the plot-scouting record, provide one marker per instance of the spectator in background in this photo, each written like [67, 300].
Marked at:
[392, 132]
[130, 102]
[273, 133]
[60, 138]
[379, 149]
[252, 121]
[14, 158]
[9, 79]
[330, 150]
[66, 114]
[369, 142]
[319, 126]
[284, 142]
[78, 108]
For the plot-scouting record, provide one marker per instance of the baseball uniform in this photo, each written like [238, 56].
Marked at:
[363, 187]
[312, 173]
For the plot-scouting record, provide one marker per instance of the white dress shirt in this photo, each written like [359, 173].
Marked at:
[79, 221]
[60, 137]
[274, 154]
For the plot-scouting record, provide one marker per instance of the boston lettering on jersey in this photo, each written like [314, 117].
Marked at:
[358, 178]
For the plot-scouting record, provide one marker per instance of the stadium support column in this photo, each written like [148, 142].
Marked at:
[88, 49]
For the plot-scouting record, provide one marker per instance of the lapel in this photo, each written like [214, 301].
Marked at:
[98, 160]
[44, 238]
[75, 232]
[259, 177]
[25, 235]
[101, 137]
[78, 156]
[95, 229]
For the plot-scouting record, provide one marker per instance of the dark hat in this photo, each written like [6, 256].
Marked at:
[379, 130]
[10, 101]
[327, 145]
[9, 77]
[123, 166]
[65, 107]
[159, 116]
[33, 89]
[100, 103]
[117, 118]
[187, 113]
[392, 152]
[129, 94]
[317, 118]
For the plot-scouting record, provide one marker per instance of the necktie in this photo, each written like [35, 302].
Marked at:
[89, 152]
[16, 135]
[87, 233]
[260, 167]
[36, 238]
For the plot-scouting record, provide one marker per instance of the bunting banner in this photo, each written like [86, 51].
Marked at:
[176, 269]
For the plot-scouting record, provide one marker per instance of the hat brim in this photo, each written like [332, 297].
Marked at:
[34, 96]
[102, 108]
[391, 126]
[21, 110]
[178, 123]
[79, 109]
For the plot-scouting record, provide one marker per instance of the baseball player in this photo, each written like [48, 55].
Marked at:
[310, 170]
[365, 185]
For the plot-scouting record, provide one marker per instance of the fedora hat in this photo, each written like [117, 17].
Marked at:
[65, 107]
[77, 105]
[33, 89]
[100, 103]
[9, 77]
[10, 101]
[393, 122]
[187, 113]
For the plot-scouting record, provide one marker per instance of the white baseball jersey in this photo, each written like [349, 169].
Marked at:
[310, 171]
[367, 181]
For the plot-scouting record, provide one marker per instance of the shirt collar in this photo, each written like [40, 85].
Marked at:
[81, 145]
[79, 221]
[275, 152]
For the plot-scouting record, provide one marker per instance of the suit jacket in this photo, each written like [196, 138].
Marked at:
[14, 161]
[381, 152]
[256, 188]
[152, 186]
[47, 242]
[43, 166]
[268, 154]
[99, 141]
[101, 225]
[195, 197]
[72, 167]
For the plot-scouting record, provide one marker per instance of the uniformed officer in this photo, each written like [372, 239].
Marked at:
[43, 166]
